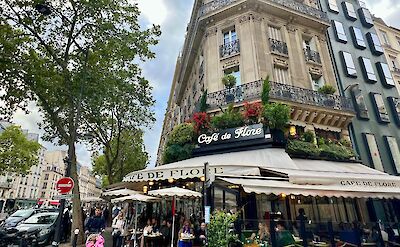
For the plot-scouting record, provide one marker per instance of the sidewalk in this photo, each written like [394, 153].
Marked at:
[107, 237]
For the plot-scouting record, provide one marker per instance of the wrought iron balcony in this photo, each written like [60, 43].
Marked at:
[278, 46]
[312, 56]
[252, 91]
[230, 48]
[214, 5]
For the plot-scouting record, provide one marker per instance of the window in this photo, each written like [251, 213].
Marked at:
[275, 33]
[365, 17]
[362, 4]
[358, 38]
[385, 75]
[380, 108]
[385, 38]
[394, 62]
[230, 44]
[317, 83]
[281, 75]
[349, 11]
[44, 185]
[46, 176]
[339, 32]
[230, 36]
[394, 104]
[373, 151]
[398, 40]
[332, 4]
[368, 70]
[394, 152]
[374, 44]
[348, 63]
[235, 72]
[359, 102]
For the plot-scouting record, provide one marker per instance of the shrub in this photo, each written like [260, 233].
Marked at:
[230, 118]
[336, 152]
[301, 148]
[181, 134]
[203, 102]
[219, 234]
[229, 81]
[327, 89]
[309, 136]
[265, 91]
[277, 115]
[321, 141]
[345, 143]
[175, 152]
[201, 122]
[252, 112]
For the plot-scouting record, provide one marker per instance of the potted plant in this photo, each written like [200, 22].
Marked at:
[327, 90]
[277, 116]
[229, 82]
[252, 112]
[220, 232]
[230, 118]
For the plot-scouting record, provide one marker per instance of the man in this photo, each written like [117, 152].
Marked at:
[96, 223]
[165, 230]
[201, 237]
[66, 224]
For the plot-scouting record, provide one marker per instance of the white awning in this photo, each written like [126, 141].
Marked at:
[118, 193]
[262, 185]
[135, 198]
[244, 163]
[175, 191]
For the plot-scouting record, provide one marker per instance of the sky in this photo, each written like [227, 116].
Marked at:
[173, 16]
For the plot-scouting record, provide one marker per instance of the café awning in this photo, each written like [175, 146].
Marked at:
[244, 163]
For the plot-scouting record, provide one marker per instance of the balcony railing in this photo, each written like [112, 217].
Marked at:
[252, 91]
[291, 4]
[312, 56]
[278, 46]
[230, 48]
[396, 70]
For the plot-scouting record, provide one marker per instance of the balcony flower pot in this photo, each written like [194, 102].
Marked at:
[326, 91]
[229, 97]
[229, 82]
[278, 137]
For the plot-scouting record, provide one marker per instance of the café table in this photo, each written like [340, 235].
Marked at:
[318, 244]
[153, 240]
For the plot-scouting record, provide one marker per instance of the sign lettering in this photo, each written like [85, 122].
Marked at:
[385, 184]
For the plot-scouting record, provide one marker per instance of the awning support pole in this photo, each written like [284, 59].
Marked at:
[136, 230]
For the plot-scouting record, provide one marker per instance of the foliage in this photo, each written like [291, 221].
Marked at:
[181, 134]
[336, 152]
[201, 122]
[175, 152]
[345, 143]
[229, 81]
[230, 118]
[265, 91]
[131, 157]
[17, 153]
[203, 102]
[327, 89]
[252, 112]
[321, 141]
[218, 229]
[277, 115]
[308, 136]
[80, 65]
[302, 148]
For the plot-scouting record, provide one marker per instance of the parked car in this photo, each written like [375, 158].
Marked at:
[20, 215]
[45, 222]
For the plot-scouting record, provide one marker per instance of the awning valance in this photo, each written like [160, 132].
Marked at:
[244, 163]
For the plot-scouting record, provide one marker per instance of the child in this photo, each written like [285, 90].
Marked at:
[95, 240]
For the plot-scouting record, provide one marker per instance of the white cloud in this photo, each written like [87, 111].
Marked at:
[155, 11]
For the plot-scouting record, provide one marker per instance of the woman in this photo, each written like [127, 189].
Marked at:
[148, 229]
[185, 235]
[262, 235]
[118, 226]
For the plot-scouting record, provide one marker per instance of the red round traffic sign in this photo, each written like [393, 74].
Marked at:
[65, 185]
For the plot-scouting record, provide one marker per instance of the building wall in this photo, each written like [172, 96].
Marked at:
[361, 128]
[52, 172]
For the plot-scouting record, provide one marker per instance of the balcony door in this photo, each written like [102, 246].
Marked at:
[235, 72]
[230, 36]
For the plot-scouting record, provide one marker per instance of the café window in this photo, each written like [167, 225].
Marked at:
[394, 104]
[374, 44]
[365, 17]
[349, 11]
[339, 32]
[380, 108]
[358, 38]
[368, 69]
[359, 103]
[394, 151]
[224, 199]
[385, 75]
[348, 63]
[373, 151]
[333, 7]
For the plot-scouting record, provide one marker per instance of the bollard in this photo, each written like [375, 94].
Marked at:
[75, 238]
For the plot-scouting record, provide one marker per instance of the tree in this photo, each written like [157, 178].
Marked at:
[17, 153]
[72, 57]
[219, 229]
[131, 157]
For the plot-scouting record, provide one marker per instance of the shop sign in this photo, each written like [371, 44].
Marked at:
[244, 133]
[366, 183]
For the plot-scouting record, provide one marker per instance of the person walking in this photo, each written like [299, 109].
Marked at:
[118, 226]
[96, 223]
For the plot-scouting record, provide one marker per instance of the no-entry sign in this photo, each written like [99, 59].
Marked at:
[65, 185]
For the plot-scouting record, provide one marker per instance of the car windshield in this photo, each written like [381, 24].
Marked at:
[42, 219]
[22, 213]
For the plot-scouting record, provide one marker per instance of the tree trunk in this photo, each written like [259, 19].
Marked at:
[77, 222]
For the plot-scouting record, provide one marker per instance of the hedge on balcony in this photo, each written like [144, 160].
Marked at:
[336, 152]
[302, 149]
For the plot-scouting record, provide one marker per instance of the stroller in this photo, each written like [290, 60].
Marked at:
[95, 240]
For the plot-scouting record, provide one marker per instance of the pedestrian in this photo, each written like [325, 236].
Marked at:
[106, 214]
[96, 223]
[66, 224]
[201, 235]
[118, 226]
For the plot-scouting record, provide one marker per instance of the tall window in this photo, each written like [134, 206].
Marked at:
[281, 75]
[317, 83]
[380, 108]
[44, 185]
[373, 151]
[235, 72]
[230, 36]
[358, 98]
[339, 32]
[374, 44]
[368, 69]
[385, 75]
[275, 33]
[394, 152]
[385, 38]
[358, 38]
[46, 176]
[366, 18]
[348, 63]
[394, 62]
[395, 105]
[333, 7]
[349, 11]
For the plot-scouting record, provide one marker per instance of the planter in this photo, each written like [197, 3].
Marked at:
[229, 98]
[278, 137]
